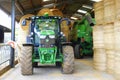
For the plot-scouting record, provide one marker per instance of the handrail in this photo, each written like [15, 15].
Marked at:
[3, 44]
[5, 58]
[4, 53]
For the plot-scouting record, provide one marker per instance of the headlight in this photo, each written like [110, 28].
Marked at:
[42, 45]
[52, 45]
[42, 36]
[51, 36]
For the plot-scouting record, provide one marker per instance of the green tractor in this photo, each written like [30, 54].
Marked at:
[82, 37]
[44, 45]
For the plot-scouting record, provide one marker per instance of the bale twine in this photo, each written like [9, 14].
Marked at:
[26, 27]
[109, 36]
[56, 12]
[43, 11]
[117, 35]
[117, 65]
[99, 59]
[99, 10]
[109, 11]
[110, 61]
[117, 6]
[98, 39]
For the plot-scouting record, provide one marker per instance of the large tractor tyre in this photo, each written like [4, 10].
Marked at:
[26, 60]
[77, 52]
[68, 60]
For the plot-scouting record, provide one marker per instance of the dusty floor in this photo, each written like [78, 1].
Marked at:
[83, 71]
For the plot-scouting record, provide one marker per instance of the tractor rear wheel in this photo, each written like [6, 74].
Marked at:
[26, 60]
[78, 52]
[68, 60]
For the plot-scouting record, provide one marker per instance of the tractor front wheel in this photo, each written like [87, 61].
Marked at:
[68, 60]
[26, 60]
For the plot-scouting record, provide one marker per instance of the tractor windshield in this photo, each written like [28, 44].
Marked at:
[46, 24]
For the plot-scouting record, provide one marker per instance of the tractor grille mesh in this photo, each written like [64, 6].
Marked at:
[48, 43]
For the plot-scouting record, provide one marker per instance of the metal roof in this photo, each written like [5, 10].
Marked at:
[68, 7]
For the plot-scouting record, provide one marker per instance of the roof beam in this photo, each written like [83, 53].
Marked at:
[31, 1]
[47, 2]
[4, 10]
[40, 7]
[5, 0]
[19, 8]
[63, 7]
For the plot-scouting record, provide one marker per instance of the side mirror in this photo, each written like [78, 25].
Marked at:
[24, 22]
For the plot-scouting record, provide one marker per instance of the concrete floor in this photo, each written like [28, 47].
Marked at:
[83, 71]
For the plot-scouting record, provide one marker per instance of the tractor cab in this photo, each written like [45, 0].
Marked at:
[44, 35]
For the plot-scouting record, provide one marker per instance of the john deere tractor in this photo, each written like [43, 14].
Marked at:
[82, 37]
[44, 45]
